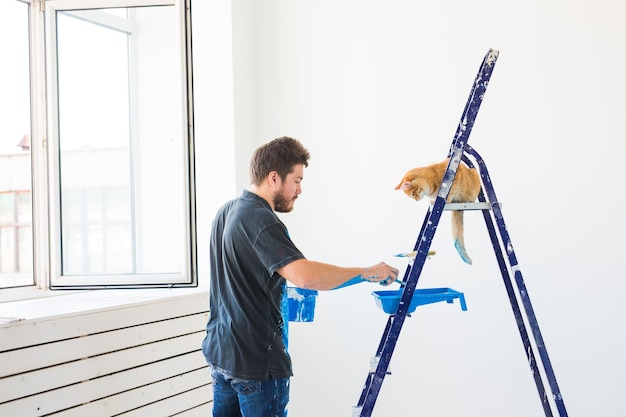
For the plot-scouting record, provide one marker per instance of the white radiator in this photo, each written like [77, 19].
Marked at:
[105, 353]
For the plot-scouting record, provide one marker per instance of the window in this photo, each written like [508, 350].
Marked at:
[118, 145]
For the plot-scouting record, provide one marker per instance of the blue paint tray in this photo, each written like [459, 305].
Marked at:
[388, 301]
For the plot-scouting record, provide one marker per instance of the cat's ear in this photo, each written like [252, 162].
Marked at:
[403, 185]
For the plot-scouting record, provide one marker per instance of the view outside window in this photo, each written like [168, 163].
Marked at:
[95, 142]
[16, 241]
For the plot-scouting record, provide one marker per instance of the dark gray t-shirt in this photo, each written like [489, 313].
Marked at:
[249, 244]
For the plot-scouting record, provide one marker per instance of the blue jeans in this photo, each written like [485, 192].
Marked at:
[233, 397]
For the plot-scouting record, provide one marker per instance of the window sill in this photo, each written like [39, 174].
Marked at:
[30, 303]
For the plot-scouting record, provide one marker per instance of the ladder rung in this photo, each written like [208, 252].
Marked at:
[467, 206]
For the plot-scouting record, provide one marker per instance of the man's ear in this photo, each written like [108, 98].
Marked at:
[273, 178]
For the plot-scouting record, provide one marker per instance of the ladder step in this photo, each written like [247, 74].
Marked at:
[467, 206]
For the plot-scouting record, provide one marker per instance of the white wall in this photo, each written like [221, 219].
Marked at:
[214, 123]
[374, 88]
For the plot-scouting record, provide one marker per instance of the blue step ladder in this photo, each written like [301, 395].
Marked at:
[501, 242]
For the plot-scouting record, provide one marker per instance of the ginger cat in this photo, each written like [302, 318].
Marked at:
[425, 181]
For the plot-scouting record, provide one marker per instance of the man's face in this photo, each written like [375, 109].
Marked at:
[287, 193]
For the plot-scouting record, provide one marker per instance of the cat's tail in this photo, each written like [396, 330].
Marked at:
[457, 234]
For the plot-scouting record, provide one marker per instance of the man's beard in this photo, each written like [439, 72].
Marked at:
[282, 204]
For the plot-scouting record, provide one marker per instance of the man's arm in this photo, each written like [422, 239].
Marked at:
[320, 276]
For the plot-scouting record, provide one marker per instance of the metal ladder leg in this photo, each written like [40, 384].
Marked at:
[499, 241]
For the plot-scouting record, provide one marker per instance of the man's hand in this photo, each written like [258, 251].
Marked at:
[383, 273]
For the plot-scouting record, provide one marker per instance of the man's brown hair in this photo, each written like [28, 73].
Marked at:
[279, 155]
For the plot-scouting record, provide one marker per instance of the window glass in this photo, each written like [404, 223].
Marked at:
[16, 243]
[94, 138]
